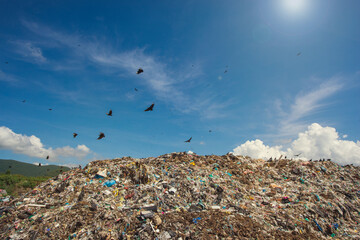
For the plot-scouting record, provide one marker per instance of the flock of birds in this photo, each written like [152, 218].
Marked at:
[101, 134]
[150, 108]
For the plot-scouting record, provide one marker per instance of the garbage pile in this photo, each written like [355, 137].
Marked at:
[186, 196]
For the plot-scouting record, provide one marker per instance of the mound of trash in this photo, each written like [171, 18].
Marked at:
[187, 196]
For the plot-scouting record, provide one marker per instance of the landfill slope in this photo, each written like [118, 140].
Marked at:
[186, 196]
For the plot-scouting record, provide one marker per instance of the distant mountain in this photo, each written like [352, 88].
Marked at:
[30, 170]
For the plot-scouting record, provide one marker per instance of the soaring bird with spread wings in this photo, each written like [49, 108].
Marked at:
[150, 108]
[188, 140]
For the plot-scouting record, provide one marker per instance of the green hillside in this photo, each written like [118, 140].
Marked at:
[30, 170]
[16, 185]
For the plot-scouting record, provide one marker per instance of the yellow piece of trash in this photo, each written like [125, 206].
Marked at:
[116, 192]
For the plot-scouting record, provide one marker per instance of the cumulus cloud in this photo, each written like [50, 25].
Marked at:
[345, 136]
[257, 149]
[43, 164]
[71, 165]
[32, 146]
[314, 143]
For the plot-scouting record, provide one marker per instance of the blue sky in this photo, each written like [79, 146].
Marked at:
[80, 59]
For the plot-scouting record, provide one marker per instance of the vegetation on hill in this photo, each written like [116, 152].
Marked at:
[19, 177]
[30, 170]
[16, 184]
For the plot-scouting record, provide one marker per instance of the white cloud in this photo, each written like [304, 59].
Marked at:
[305, 104]
[32, 146]
[29, 51]
[257, 149]
[314, 143]
[71, 165]
[79, 152]
[345, 136]
[7, 78]
[43, 164]
[167, 85]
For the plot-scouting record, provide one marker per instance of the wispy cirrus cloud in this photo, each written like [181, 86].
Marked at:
[305, 104]
[29, 51]
[166, 84]
[7, 77]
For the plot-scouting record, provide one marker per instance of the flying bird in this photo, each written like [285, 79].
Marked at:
[110, 113]
[75, 134]
[140, 70]
[136, 89]
[47, 157]
[150, 108]
[101, 135]
[23, 101]
[297, 155]
[6, 62]
[50, 109]
[225, 71]
[188, 140]
[299, 53]
[210, 131]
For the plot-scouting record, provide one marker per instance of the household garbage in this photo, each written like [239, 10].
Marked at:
[186, 196]
[110, 183]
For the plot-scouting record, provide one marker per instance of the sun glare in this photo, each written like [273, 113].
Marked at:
[295, 6]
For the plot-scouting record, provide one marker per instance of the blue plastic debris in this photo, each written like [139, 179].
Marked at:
[196, 219]
[110, 183]
[320, 229]
[336, 226]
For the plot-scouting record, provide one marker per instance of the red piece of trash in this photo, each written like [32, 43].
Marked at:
[129, 195]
